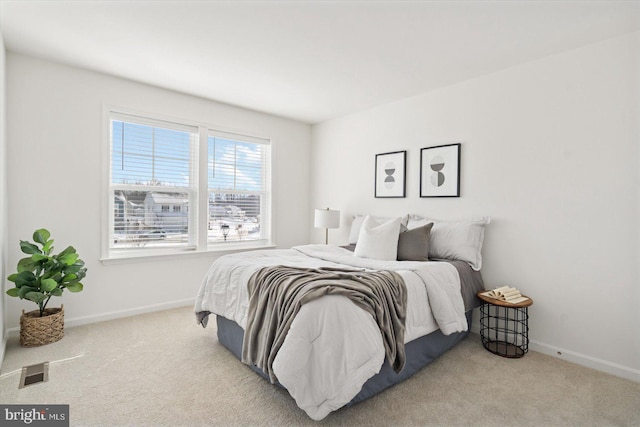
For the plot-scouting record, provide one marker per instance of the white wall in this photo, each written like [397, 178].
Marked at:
[3, 195]
[54, 146]
[637, 142]
[550, 152]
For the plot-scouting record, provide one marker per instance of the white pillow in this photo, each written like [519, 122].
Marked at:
[415, 221]
[356, 224]
[378, 241]
[455, 240]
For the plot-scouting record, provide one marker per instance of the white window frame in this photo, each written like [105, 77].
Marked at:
[198, 195]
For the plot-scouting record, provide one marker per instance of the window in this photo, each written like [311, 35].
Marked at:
[156, 189]
[236, 186]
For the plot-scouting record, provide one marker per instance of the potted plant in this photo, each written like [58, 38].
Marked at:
[42, 275]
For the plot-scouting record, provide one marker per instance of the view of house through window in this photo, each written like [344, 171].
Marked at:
[154, 186]
[146, 218]
[236, 182]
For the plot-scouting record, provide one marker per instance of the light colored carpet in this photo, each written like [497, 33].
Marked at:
[161, 369]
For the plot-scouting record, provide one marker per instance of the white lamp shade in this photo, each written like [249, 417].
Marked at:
[325, 218]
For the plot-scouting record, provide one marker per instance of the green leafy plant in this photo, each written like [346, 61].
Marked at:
[42, 275]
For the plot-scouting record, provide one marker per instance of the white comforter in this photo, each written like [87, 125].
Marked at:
[324, 362]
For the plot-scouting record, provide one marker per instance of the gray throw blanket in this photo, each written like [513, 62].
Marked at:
[277, 293]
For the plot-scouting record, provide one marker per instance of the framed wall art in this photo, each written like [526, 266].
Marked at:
[440, 171]
[391, 174]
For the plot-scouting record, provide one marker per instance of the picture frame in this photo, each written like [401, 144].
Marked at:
[440, 171]
[391, 174]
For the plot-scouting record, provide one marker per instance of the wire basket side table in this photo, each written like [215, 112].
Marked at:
[504, 327]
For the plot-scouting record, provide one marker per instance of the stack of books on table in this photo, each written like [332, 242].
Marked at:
[506, 294]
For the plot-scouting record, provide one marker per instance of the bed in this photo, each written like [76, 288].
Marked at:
[333, 354]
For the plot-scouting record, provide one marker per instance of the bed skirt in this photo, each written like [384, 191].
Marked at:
[419, 352]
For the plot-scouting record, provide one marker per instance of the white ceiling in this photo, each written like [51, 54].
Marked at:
[306, 60]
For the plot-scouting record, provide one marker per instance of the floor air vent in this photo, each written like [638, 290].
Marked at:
[34, 374]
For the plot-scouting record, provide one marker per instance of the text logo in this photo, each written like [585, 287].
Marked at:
[35, 415]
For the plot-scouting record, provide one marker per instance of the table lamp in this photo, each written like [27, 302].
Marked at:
[325, 218]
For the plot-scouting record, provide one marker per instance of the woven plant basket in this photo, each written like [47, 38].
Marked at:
[36, 330]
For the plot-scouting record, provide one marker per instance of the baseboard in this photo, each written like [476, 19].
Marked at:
[85, 320]
[588, 361]
[577, 358]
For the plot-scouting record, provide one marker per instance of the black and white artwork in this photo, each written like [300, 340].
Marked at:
[440, 171]
[390, 174]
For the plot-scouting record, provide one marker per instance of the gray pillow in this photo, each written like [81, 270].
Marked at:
[413, 245]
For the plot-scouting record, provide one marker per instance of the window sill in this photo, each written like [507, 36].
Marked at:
[128, 257]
